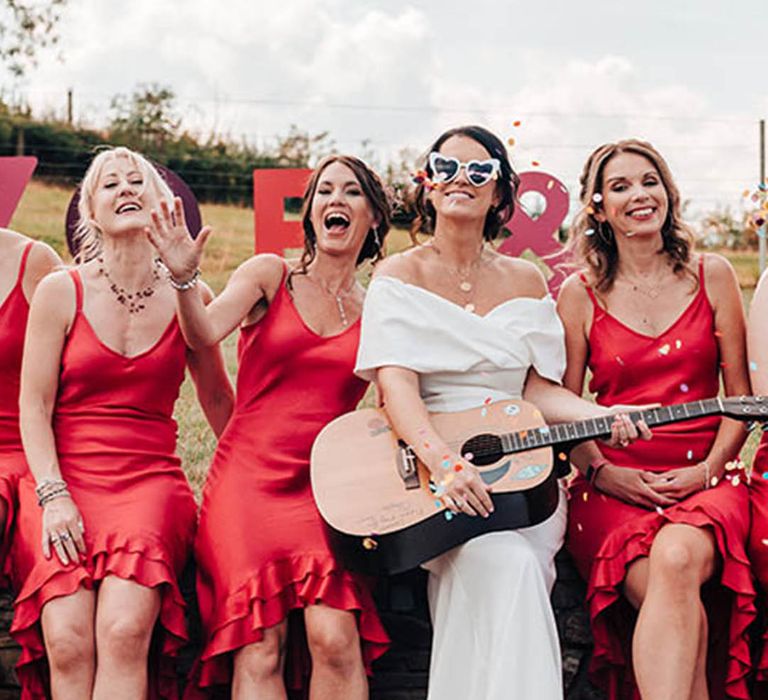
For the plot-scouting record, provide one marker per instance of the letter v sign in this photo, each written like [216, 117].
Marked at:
[15, 174]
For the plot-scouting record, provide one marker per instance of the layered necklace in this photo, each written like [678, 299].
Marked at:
[337, 296]
[132, 300]
[465, 277]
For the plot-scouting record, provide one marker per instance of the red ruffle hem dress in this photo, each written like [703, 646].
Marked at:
[115, 439]
[606, 535]
[758, 548]
[14, 311]
[262, 549]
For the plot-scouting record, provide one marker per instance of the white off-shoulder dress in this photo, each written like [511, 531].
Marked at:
[494, 630]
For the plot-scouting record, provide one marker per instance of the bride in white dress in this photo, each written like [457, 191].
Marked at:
[450, 325]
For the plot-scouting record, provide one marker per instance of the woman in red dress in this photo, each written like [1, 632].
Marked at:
[106, 517]
[658, 527]
[23, 263]
[757, 342]
[262, 549]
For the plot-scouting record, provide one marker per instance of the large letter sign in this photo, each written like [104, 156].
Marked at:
[540, 235]
[273, 234]
[15, 174]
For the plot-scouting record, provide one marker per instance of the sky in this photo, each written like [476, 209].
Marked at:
[386, 75]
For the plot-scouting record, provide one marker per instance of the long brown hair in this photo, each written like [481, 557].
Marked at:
[596, 251]
[373, 246]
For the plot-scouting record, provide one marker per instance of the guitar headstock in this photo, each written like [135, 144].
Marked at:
[749, 408]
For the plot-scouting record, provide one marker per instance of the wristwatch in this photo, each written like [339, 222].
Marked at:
[594, 468]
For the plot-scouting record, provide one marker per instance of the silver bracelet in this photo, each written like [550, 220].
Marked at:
[186, 284]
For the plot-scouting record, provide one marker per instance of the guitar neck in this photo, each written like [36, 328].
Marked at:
[579, 431]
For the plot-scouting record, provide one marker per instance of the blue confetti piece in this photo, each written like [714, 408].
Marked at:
[448, 515]
[446, 464]
[765, 475]
[438, 504]
[753, 366]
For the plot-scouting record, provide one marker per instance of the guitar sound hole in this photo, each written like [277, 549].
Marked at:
[485, 449]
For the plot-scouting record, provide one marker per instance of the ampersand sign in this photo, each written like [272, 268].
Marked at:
[15, 174]
[539, 235]
[273, 234]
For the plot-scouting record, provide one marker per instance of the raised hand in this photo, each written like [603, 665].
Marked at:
[178, 251]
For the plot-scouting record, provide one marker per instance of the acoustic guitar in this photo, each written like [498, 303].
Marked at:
[385, 514]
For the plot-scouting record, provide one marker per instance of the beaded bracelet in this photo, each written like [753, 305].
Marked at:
[48, 489]
[61, 493]
[186, 284]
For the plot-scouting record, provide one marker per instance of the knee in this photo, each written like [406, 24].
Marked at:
[69, 645]
[124, 638]
[334, 646]
[678, 562]
[260, 660]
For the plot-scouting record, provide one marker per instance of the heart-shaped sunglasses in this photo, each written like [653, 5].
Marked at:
[479, 172]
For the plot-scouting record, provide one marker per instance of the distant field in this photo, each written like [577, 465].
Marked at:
[41, 215]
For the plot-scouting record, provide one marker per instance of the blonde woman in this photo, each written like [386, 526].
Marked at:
[106, 515]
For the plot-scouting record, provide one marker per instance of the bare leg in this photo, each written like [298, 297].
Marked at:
[125, 617]
[337, 660]
[259, 667]
[68, 634]
[670, 640]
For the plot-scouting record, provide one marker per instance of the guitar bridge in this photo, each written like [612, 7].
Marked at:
[406, 466]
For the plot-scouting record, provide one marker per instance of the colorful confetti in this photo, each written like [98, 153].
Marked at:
[597, 198]
[684, 388]
[550, 184]
[448, 515]
[678, 344]
[690, 454]
[589, 232]
[468, 456]
[369, 543]
[457, 467]
[713, 481]
[753, 366]
[511, 141]
[664, 349]
[535, 163]
[659, 510]
[517, 122]
[585, 496]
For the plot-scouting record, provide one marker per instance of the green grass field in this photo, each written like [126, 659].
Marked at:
[41, 214]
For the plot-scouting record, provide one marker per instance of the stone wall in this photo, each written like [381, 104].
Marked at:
[402, 673]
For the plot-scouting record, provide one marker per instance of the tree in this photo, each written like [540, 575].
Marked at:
[145, 119]
[26, 26]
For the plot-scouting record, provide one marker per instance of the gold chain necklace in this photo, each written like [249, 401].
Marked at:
[652, 291]
[133, 301]
[466, 286]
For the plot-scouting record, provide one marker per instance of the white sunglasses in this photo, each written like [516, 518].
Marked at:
[479, 172]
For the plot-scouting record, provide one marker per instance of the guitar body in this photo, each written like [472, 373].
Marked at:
[376, 498]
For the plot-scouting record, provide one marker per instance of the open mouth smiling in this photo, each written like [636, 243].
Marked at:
[336, 222]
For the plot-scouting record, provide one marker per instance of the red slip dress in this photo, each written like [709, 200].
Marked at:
[14, 311]
[115, 439]
[605, 535]
[758, 548]
[262, 548]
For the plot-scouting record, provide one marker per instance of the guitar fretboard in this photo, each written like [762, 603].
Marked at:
[563, 433]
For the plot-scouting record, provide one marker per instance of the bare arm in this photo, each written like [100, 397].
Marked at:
[50, 316]
[214, 388]
[205, 326]
[464, 490]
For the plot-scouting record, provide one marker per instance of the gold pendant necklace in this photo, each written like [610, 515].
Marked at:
[338, 297]
[466, 286]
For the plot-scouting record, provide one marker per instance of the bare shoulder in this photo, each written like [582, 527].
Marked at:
[55, 296]
[265, 270]
[42, 260]
[406, 266]
[573, 291]
[523, 274]
[720, 278]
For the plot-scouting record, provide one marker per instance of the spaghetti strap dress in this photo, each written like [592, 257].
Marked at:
[758, 549]
[262, 549]
[115, 440]
[494, 633]
[606, 535]
[14, 311]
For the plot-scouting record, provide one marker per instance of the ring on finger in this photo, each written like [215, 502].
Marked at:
[54, 538]
[64, 536]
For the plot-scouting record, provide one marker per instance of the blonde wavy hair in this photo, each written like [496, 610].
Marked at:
[87, 238]
[597, 253]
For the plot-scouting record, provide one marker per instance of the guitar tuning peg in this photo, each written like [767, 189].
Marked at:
[751, 425]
